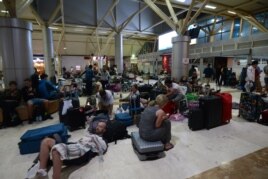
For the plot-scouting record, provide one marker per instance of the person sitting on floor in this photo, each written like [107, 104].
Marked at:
[88, 146]
[133, 95]
[30, 96]
[9, 101]
[106, 101]
[175, 92]
[154, 125]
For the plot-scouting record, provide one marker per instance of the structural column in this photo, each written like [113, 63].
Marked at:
[119, 52]
[201, 69]
[16, 49]
[48, 51]
[180, 54]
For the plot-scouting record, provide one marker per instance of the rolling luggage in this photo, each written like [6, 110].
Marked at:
[264, 117]
[75, 119]
[63, 110]
[146, 150]
[31, 139]
[226, 99]
[251, 106]
[196, 119]
[212, 109]
[125, 118]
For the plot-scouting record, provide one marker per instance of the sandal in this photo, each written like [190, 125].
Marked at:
[168, 146]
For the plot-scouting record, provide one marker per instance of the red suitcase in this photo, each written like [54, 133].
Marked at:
[264, 117]
[226, 107]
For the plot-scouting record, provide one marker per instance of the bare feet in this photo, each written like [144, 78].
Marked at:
[168, 146]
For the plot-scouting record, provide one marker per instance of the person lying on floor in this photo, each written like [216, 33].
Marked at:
[154, 124]
[88, 146]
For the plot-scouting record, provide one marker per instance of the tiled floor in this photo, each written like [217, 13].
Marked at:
[194, 152]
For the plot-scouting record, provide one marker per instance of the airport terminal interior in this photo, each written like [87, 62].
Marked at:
[147, 43]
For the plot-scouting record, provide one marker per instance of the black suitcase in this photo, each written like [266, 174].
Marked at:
[251, 106]
[212, 109]
[75, 119]
[196, 119]
[75, 103]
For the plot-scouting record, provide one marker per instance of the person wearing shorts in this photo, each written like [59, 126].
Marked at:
[30, 96]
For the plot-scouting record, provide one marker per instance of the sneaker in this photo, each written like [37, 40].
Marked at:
[33, 171]
[42, 172]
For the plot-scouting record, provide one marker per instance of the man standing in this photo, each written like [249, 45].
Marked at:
[250, 79]
[208, 74]
[89, 78]
[265, 70]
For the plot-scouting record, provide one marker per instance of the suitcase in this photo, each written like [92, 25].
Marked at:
[212, 109]
[146, 150]
[264, 117]
[170, 108]
[75, 104]
[251, 106]
[226, 99]
[31, 139]
[75, 119]
[196, 119]
[193, 105]
[126, 118]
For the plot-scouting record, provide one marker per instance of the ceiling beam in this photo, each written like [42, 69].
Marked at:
[109, 38]
[186, 19]
[198, 12]
[171, 11]
[253, 21]
[237, 6]
[162, 21]
[37, 17]
[127, 21]
[112, 6]
[10, 7]
[162, 15]
[63, 28]
[54, 14]
[22, 5]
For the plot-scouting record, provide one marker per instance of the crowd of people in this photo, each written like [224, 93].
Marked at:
[35, 93]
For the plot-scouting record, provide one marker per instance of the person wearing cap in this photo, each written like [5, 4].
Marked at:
[46, 89]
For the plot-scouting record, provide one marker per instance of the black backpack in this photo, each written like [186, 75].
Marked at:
[115, 130]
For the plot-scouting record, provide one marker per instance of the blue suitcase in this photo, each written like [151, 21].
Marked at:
[31, 139]
[125, 118]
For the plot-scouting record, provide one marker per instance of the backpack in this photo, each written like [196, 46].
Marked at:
[115, 130]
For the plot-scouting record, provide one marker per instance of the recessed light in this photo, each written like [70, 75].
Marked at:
[210, 7]
[53, 28]
[231, 12]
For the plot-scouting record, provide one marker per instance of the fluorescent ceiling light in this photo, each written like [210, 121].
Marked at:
[237, 25]
[210, 7]
[180, 0]
[53, 28]
[4, 11]
[78, 30]
[231, 12]
[64, 48]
